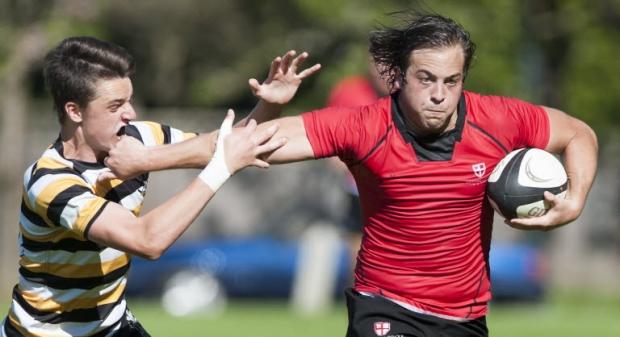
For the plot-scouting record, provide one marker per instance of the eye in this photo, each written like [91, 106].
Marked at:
[425, 80]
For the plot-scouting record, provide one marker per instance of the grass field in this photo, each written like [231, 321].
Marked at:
[560, 316]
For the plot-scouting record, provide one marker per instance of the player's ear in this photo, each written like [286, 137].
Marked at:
[73, 112]
[399, 80]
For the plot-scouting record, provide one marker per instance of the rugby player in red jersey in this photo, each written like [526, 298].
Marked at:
[421, 159]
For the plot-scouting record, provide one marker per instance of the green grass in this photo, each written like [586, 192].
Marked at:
[256, 319]
[562, 315]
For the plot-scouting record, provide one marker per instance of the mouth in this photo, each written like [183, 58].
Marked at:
[121, 131]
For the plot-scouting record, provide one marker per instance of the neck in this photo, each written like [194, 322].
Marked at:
[75, 146]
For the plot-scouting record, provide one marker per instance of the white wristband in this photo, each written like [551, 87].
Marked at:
[216, 173]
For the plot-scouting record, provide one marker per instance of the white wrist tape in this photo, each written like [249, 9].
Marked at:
[216, 173]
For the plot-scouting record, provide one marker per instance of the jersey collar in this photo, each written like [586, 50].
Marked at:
[431, 148]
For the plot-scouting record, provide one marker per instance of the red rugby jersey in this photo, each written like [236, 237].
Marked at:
[427, 224]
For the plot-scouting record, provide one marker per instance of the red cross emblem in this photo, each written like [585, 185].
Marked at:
[381, 328]
[479, 169]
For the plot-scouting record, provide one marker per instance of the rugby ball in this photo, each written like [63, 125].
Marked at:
[515, 187]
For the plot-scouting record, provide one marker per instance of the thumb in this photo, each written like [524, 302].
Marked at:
[227, 124]
[105, 176]
[225, 129]
[550, 198]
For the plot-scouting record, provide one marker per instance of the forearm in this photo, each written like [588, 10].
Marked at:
[580, 160]
[262, 112]
[192, 153]
[162, 226]
[151, 234]
[298, 146]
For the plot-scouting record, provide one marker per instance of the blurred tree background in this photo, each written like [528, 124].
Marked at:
[194, 53]
[197, 54]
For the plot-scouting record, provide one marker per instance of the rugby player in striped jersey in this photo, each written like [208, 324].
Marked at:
[79, 223]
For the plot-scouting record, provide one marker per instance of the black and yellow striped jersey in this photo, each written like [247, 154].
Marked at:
[68, 285]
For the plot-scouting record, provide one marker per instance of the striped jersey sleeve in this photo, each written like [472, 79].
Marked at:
[59, 197]
[151, 133]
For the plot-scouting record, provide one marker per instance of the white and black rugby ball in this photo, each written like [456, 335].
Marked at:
[517, 184]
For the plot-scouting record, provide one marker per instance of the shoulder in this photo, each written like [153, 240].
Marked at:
[51, 163]
[153, 133]
[477, 102]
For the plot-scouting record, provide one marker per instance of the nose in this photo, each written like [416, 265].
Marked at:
[129, 113]
[438, 93]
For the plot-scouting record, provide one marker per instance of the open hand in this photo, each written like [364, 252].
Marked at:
[245, 146]
[283, 80]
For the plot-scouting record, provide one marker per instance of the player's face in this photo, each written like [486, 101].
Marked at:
[433, 86]
[108, 113]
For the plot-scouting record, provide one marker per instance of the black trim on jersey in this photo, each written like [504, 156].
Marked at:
[58, 204]
[132, 130]
[67, 245]
[92, 220]
[85, 315]
[78, 165]
[167, 135]
[431, 148]
[374, 148]
[126, 188]
[106, 332]
[36, 175]
[486, 133]
[33, 217]
[64, 283]
[10, 330]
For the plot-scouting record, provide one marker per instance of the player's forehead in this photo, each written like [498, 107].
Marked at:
[113, 89]
[440, 62]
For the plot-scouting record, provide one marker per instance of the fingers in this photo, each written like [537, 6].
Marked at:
[271, 146]
[298, 60]
[254, 85]
[287, 59]
[542, 223]
[265, 135]
[518, 224]
[275, 66]
[309, 71]
[106, 175]
[551, 199]
[260, 163]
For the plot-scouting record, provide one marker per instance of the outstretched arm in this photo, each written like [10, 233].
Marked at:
[151, 234]
[577, 143]
[297, 147]
[276, 90]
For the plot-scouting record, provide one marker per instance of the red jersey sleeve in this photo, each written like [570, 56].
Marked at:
[332, 131]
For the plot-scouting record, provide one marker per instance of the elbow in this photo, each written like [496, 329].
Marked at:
[153, 255]
[151, 250]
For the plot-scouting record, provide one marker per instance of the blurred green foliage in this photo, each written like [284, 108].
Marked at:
[193, 53]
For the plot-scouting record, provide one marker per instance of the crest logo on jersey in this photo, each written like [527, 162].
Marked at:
[381, 328]
[479, 169]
